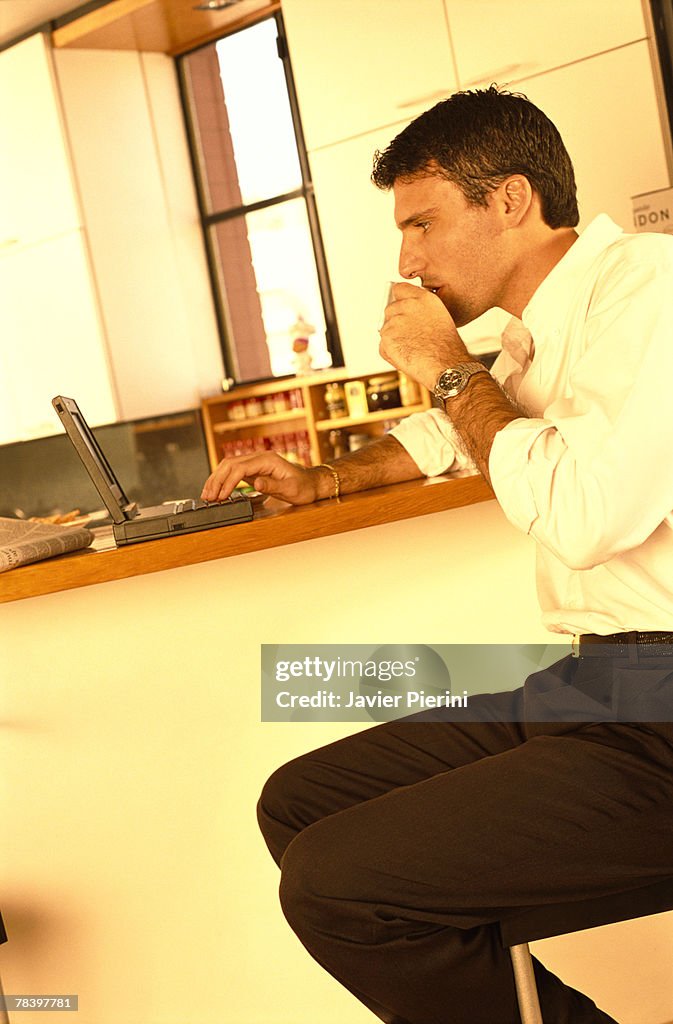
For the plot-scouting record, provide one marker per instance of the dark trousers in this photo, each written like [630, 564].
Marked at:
[402, 845]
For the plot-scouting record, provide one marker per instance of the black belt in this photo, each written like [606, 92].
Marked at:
[649, 644]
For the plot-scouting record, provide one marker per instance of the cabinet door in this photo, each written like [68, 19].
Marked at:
[51, 341]
[362, 64]
[38, 197]
[361, 242]
[606, 111]
[499, 42]
[142, 225]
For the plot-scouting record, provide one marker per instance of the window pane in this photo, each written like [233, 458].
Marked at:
[247, 146]
[269, 282]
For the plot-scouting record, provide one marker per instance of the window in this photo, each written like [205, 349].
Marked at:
[257, 206]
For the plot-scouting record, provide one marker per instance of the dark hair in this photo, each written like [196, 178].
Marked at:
[478, 138]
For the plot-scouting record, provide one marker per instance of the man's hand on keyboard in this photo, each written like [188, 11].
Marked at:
[270, 474]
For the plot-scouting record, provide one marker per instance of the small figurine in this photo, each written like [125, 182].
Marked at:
[301, 332]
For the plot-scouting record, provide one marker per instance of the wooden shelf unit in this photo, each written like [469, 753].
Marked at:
[311, 420]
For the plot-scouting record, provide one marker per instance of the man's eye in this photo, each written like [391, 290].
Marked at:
[423, 224]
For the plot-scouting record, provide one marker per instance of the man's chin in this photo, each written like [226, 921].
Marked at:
[453, 308]
[461, 316]
[458, 315]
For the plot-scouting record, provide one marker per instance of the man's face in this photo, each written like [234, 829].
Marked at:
[457, 249]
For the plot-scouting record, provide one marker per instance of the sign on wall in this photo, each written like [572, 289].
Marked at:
[653, 211]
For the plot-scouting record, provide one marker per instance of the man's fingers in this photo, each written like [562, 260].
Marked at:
[258, 470]
[227, 476]
[405, 290]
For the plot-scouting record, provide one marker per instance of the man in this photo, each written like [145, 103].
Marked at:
[402, 847]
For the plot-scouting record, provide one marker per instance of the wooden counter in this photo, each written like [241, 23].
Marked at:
[273, 526]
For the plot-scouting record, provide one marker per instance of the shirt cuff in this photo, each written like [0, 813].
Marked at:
[430, 440]
[509, 468]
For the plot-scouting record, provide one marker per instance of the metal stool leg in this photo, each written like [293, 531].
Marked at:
[4, 1016]
[526, 989]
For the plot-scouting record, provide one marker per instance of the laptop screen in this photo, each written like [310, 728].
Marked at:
[91, 454]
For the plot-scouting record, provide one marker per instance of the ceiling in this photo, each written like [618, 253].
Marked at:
[166, 26]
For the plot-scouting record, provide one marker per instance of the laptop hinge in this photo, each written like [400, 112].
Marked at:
[131, 510]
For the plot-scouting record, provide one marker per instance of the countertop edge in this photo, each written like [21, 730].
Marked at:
[274, 528]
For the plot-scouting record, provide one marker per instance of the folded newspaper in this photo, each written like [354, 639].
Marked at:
[22, 541]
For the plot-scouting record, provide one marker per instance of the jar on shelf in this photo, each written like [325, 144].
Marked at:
[268, 404]
[383, 392]
[304, 447]
[236, 411]
[335, 400]
[253, 407]
[281, 402]
[290, 445]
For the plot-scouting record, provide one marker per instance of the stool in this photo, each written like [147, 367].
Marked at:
[544, 922]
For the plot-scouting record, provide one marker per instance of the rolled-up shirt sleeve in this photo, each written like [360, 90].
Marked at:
[431, 441]
[593, 475]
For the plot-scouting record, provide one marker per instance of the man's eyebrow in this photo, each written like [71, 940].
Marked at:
[429, 212]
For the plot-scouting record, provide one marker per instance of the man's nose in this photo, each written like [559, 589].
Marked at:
[409, 264]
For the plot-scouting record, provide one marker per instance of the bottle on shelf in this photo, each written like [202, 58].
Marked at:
[338, 442]
[335, 400]
[356, 398]
[384, 392]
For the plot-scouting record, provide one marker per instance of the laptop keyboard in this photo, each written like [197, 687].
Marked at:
[189, 506]
[192, 504]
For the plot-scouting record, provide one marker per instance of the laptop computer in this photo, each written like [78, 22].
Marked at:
[131, 523]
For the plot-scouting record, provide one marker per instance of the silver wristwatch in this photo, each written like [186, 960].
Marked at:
[454, 380]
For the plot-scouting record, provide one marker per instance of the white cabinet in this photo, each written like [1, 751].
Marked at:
[128, 145]
[38, 198]
[499, 42]
[117, 313]
[51, 339]
[361, 241]
[597, 87]
[363, 64]
[606, 111]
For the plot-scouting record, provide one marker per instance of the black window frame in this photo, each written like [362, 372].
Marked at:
[305, 191]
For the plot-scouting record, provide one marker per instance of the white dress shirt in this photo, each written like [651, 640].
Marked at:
[589, 472]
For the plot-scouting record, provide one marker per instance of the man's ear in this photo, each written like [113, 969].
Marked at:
[516, 198]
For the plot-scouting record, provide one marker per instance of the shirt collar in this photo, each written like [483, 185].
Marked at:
[551, 297]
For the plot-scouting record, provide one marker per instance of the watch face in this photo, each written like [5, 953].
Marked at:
[450, 383]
